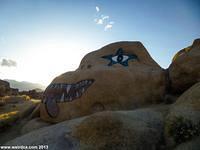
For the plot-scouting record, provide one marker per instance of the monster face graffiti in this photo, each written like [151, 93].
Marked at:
[61, 92]
[111, 78]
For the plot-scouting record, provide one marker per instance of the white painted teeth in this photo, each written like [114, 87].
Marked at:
[83, 90]
[67, 92]
[77, 94]
[55, 86]
[63, 97]
[68, 88]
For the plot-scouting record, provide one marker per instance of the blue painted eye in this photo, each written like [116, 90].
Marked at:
[120, 58]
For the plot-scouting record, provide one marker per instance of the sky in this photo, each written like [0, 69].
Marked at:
[41, 39]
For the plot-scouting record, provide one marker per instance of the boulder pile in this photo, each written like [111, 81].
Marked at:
[120, 98]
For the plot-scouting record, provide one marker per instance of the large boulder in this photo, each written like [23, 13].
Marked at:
[184, 70]
[139, 129]
[183, 121]
[130, 130]
[119, 76]
[4, 88]
[53, 136]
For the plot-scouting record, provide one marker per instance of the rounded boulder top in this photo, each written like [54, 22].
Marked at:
[184, 70]
[135, 48]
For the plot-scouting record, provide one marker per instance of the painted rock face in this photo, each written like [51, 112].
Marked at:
[119, 76]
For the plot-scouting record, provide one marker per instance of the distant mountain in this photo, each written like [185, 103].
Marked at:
[24, 85]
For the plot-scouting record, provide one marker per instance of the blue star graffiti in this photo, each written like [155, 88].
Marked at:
[120, 58]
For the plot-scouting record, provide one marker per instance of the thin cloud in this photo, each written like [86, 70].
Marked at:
[103, 20]
[99, 21]
[8, 63]
[97, 9]
[104, 17]
[108, 26]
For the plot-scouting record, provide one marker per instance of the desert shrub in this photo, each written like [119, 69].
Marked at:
[182, 129]
[26, 97]
[15, 99]
[7, 119]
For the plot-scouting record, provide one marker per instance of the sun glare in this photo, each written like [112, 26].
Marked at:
[48, 58]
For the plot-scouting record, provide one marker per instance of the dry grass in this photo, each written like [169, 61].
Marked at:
[15, 99]
[14, 108]
[36, 101]
[8, 115]
[7, 119]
